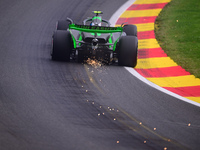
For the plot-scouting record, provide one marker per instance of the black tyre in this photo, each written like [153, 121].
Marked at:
[130, 30]
[62, 25]
[127, 54]
[62, 45]
[81, 56]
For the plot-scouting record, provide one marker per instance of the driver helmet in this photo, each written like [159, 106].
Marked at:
[96, 21]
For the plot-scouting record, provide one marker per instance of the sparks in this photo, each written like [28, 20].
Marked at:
[94, 63]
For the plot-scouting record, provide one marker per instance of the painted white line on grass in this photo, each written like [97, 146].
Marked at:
[113, 21]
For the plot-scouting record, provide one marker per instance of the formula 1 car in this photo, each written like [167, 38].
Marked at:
[95, 39]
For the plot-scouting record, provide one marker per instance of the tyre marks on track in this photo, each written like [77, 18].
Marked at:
[153, 63]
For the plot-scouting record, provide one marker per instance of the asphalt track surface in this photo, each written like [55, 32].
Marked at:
[59, 105]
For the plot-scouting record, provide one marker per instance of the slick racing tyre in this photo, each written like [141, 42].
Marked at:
[127, 54]
[62, 25]
[81, 57]
[130, 30]
[62, 46]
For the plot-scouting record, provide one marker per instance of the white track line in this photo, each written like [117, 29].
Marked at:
[137, 75]
[118, 13]
[113, 20]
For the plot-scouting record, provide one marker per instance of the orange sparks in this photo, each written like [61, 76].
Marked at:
[94, 63]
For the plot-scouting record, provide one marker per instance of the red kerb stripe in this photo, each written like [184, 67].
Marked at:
[136, 20]
[193, 91]
[151, 52]
[163, 72]
[146, 35]
[146, 6]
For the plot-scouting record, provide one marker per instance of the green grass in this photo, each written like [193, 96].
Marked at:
[178, 33]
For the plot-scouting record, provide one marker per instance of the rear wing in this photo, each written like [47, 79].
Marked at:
[95, 29]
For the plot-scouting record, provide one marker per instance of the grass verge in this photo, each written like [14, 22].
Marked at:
[177, 30]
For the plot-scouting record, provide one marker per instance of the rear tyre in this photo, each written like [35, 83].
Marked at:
[62, 46]
[130, 30]
[62, 25]
[81, 56]
[127, 54]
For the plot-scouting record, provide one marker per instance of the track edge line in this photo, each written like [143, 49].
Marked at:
[113, 21]
[137, 75]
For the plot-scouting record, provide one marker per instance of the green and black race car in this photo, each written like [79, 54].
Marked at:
[95, 39]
